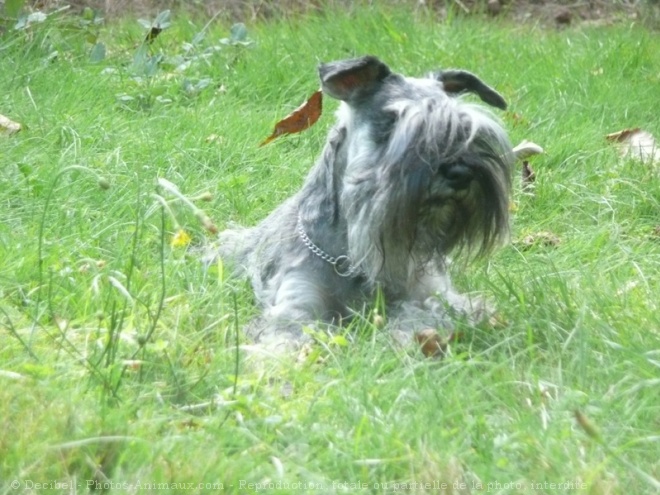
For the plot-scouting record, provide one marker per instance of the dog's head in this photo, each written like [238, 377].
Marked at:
[419, 172]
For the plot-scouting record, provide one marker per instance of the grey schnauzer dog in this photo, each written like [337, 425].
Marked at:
[409, 174]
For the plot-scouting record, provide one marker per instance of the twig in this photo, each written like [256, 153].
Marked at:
[462, 5]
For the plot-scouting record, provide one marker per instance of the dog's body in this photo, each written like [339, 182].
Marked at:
[409, 173]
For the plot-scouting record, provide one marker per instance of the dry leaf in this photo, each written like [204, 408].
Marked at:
[132, 364]
[586, 425]
[205, 196]
[528, 175]
[429, 341]
[378, 320]
[526, 149]
[8, 126]
[497, 321]
[207, 223]
[540, 239]
[621, 136]
[637, 144]
[516, 118]
[11, 374]
[305, 351]
[523, 152]
[300, 119]
[62, 324]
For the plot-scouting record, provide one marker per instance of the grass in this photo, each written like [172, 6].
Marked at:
[118, 364]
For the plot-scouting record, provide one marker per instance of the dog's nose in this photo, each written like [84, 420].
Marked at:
[458, 177]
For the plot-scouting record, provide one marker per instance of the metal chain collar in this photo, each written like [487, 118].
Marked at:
[342, 264]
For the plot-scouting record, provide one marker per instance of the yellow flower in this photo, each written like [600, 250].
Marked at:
[180, 239]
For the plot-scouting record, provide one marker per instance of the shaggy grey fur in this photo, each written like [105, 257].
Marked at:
[409, 174]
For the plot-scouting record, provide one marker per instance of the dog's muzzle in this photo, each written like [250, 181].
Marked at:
[458, 177]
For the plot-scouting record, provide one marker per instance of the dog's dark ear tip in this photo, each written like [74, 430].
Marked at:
[457, 81]
[492, 97]
[346, 79]
[501, 104]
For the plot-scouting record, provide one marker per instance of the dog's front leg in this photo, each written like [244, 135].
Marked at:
[295, 302]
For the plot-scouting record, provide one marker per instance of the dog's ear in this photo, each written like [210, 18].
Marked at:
[348, 80]
[456, 82]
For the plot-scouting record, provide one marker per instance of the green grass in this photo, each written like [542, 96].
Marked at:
[580, 324]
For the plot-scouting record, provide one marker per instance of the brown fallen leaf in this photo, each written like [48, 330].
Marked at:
[621, 136]
[207, 223]
[528, 175]
[586, 425]
[205, 196]
[8, 126]
[515, 118]
[497, 322]
[637, 144]
[429, 341]
[547, 239]
[522, 152]
[132, 364]
[300, 119]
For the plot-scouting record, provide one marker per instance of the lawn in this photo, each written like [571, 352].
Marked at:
[119, 366]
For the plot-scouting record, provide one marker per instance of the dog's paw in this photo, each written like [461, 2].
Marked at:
[280, 343]
[277, 337]
[473, 308]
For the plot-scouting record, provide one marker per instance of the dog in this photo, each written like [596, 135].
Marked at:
[411, 172]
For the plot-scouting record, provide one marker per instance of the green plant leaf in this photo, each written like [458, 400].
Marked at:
[163, 19]
[238, 32]
[98, 53]
[238, 35]
[88, 14]
[25, 21]
[140, 59]
[198, 38]
[151, 67]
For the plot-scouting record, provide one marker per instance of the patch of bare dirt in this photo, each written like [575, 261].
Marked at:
[559, 13]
